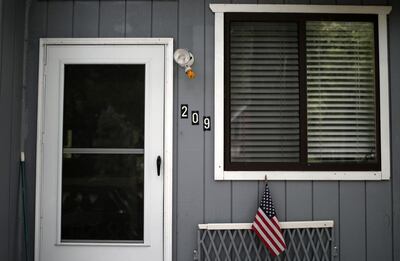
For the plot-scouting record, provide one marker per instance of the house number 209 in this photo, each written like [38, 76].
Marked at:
[195, 117]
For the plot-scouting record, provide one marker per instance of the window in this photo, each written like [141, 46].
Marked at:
[103, 136]
[302, 96]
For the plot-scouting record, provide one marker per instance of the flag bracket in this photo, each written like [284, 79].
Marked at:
[335, 251]
[195, 254]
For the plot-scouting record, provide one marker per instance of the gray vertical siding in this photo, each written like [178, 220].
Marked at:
[112, 18]
[190, 148]
[394, 32]
[86, 18]
[37, 29]
[366, 214]
[11, 49]
[217, 195]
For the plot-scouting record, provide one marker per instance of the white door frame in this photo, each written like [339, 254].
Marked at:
[168, 125]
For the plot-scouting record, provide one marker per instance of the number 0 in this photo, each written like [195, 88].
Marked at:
[195, 118]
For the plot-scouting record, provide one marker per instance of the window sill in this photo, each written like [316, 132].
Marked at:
[301, 175]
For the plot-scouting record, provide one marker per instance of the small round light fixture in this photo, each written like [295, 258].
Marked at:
[185, 59]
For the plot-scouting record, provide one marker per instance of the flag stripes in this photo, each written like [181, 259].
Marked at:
[265, 240]
[267, 227]
[273, 224]
[277, 239]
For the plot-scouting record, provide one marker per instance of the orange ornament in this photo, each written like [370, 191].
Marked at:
[190, 74]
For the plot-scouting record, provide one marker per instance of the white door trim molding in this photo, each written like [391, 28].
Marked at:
[168, 126]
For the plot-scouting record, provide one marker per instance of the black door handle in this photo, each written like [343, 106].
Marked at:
[158, 165]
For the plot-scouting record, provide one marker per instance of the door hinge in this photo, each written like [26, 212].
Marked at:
[45, 55]
[45, 61]
[44, 79]
[42, 137]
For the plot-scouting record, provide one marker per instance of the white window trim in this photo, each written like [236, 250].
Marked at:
[168, 125]
[221, 174]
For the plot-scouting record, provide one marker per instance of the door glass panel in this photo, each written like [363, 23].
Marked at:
[104, 106]
[103, 153]
[102, 197]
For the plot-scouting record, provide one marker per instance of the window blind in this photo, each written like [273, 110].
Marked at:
[340, 91]
[264, 92]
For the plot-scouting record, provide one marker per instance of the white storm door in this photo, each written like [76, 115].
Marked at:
[102, 187]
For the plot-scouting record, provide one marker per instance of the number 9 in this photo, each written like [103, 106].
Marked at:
[207, 123]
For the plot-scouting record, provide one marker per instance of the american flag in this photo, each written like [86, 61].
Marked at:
[267, 227]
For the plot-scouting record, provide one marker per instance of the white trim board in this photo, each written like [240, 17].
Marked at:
[106, 41]
[302, 175]
[273, 8]
[168, 125]
[221, 174]
[284, 225]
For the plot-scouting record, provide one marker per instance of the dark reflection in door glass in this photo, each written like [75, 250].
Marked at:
[104, 106]
[102, 198]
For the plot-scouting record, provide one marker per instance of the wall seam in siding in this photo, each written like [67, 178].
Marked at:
[365, 221]
[338, 240]
[391, 144]
[2, 4]
[125, 13]
[204, 109]
[10, 189]
[13, 64]
[231, 201]
[1, 39]
[47, 18]
[3, 92]
[151, 18]
[285, 200]
[312, 200]
[98, 19]
[73, 16]
[230, 1]
[16, 117]
[391, 149]
[177, 142]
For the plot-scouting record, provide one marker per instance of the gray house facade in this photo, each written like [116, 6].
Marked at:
[365, 211]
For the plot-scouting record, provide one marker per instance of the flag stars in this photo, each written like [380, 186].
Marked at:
[267, 226]
[266, 203]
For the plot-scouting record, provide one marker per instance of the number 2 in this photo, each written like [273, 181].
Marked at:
[184, 111]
